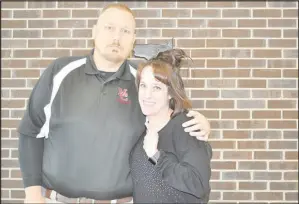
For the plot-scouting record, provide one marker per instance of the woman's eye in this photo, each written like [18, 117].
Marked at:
[157, 88]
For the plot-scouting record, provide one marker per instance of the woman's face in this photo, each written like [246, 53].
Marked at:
[153, 94]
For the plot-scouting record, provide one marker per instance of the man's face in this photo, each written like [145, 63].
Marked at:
[114, 35]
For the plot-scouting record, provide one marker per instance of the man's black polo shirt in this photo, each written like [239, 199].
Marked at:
[90, 126]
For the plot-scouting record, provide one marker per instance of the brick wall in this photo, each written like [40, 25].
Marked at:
[243, 78]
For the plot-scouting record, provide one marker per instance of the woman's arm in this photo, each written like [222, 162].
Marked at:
[189, 170]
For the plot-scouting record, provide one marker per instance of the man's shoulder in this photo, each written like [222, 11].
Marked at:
[59, 63]
[63, 61]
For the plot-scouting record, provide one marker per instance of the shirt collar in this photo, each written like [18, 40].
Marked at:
[123, 72]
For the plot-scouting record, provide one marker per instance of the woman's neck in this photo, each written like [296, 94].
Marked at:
[160, 120]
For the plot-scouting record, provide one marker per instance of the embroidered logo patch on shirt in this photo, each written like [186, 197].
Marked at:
[123, 96]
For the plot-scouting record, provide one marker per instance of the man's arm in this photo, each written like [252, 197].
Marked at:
[31, 148]
[31, 159]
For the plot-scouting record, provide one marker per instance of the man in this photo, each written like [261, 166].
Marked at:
[83, 118]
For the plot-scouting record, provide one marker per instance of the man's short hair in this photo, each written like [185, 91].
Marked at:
[119, 6]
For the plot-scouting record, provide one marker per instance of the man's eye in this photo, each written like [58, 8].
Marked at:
[126, 31]
[109, 27]
[142, 85]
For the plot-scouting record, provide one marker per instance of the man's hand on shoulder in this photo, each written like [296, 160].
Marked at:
[198, 127]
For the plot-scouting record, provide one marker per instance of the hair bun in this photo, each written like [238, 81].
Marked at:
[173, 57]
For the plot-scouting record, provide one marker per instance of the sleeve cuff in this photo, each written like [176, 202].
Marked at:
[32, 182]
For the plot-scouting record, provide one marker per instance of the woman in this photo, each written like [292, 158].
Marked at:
[167, 165]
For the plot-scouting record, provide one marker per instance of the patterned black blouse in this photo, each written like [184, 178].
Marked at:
[182, 173]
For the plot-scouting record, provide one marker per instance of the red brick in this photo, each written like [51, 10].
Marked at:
[206, 32]
[204, 93]
[223, 144]
[14, 43]
[32, 53]
[145, 13]
[85, 13]
[267, 155]
[267, 73]
[283, 165]
[190, 43]
[267, 33]
[235, 73]
[282, 43]
[13, 4]
[71, 43]
[252, 165]
[282, 23]
[71, 24]
[266, 13]
[204, 73]
[252, 186]
[176, 33]
[13, 24]
[235, 33]
[18, 194]
[266, 175]
[293, 196]
[220, 43]
[221, 23]
[251, 43]
[290, 33]
[267, 195]
[27, 14]
[41, 4]
[165, 23]
[252, 4]
[252, 83]
[10, 83]
[56, 33]
[223, 185]
[236, 13]
[237, 155]
[220, 63]
[221, 4]
[291, 175]
[206, 13]
[55, 53]
[205, 53]
[176, 13]
[252, 23]
[223, 165]
[191, 23]
[236, 134]
[41, 43]
[290, 13]
[191, 4]
[71, 4]
[250, 124]
[282, 124]
[236, 175]
[161, 4]
[266, 114]
[41, 23]
[47, 13]
[235, 114]
[251, 145]
[281, 104]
